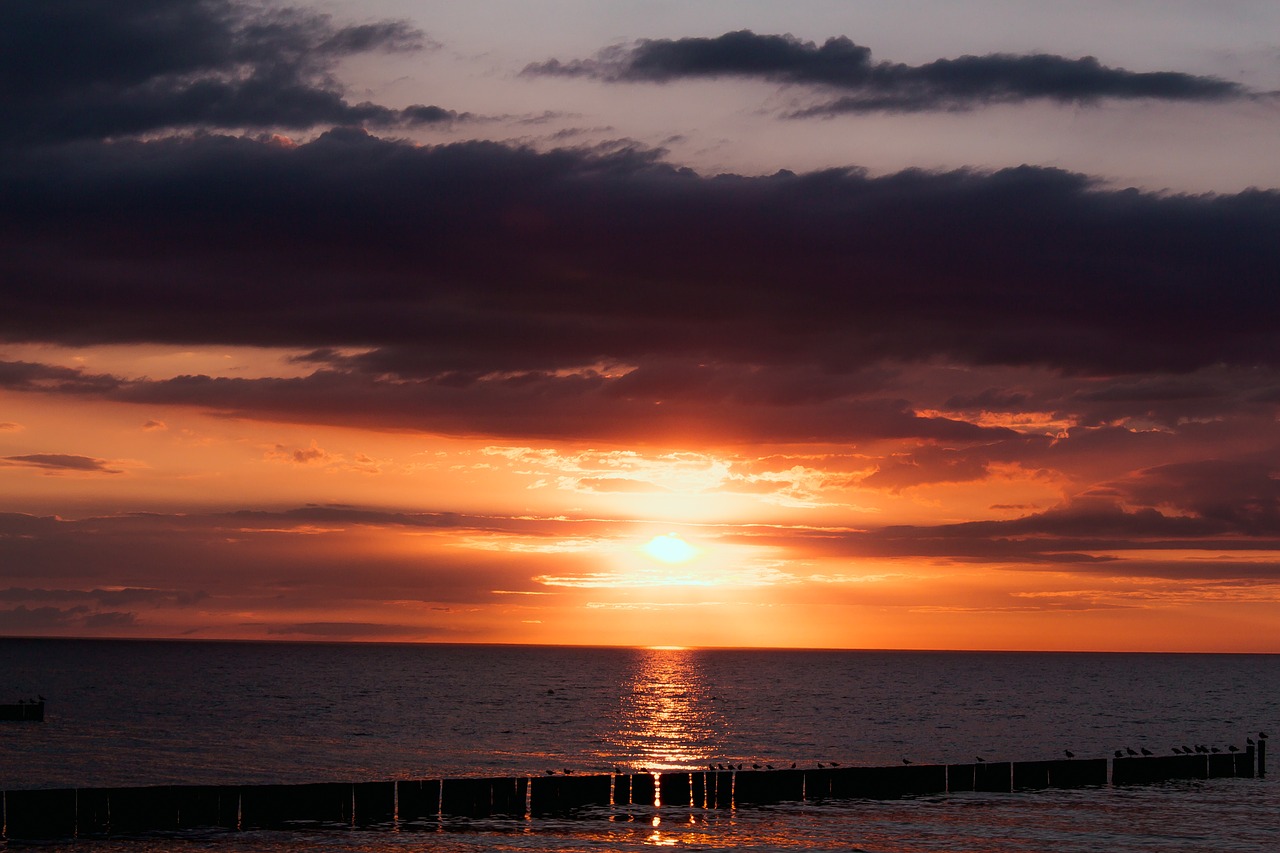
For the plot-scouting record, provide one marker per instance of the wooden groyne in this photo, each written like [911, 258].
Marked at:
[425, 803]
[23, 712]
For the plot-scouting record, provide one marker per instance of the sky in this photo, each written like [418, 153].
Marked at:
[821, 324]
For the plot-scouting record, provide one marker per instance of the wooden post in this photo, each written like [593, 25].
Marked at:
[1262, 758]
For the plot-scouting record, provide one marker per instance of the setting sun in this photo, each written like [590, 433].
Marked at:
[670, 548]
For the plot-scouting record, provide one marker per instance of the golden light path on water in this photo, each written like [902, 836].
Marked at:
[666, 720]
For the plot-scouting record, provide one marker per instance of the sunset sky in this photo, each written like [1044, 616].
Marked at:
[896, 324]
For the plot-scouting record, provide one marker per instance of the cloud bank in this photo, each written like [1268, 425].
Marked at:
[77, 69]
[944, 84]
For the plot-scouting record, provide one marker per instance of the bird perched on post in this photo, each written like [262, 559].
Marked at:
[1146, 751]
[1069, 753]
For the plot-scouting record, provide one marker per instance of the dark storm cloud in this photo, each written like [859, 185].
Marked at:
[73, 69]
[838, 63]
[474, 258]
[465, 287]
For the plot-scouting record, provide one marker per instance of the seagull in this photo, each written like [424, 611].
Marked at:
[821, 765]
[568, 772]
[1129, 750]
[1233, 748]
[1146, 751]
[1177, 750]
[1214, 750]
[835, 764]
[1119, 754]
[1069, 753]
[906, 761]
[768, 767]
[1186, 750]
[551, 772]
[1249, 741]
[1262, 735]
[793, 765]
[980, 759]
[755, 766]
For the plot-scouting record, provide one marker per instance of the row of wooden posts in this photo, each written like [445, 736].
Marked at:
[98, 812]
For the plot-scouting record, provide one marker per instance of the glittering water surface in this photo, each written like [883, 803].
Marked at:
[141, 713]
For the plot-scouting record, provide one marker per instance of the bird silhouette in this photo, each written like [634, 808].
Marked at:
[1233, 748]
[568, 772]
[1186, 750]
[1262, 735]
[821, 765]
[980, 759]
[755, 766]
[1214, 750]
[906, 761]
[1119, 754]
[793, 765]
[835, 764]
[551, 772]
[1146, 751]
[1129, 750]
[1249, 741]
[1069, 753]
[768, 767]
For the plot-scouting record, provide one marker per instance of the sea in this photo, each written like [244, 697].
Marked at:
[134, 713]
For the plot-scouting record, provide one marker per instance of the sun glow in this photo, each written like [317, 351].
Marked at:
[670, 548]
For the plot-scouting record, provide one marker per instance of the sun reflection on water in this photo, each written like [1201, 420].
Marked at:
[667, 719]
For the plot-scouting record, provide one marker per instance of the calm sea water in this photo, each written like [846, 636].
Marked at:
[140, 713]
